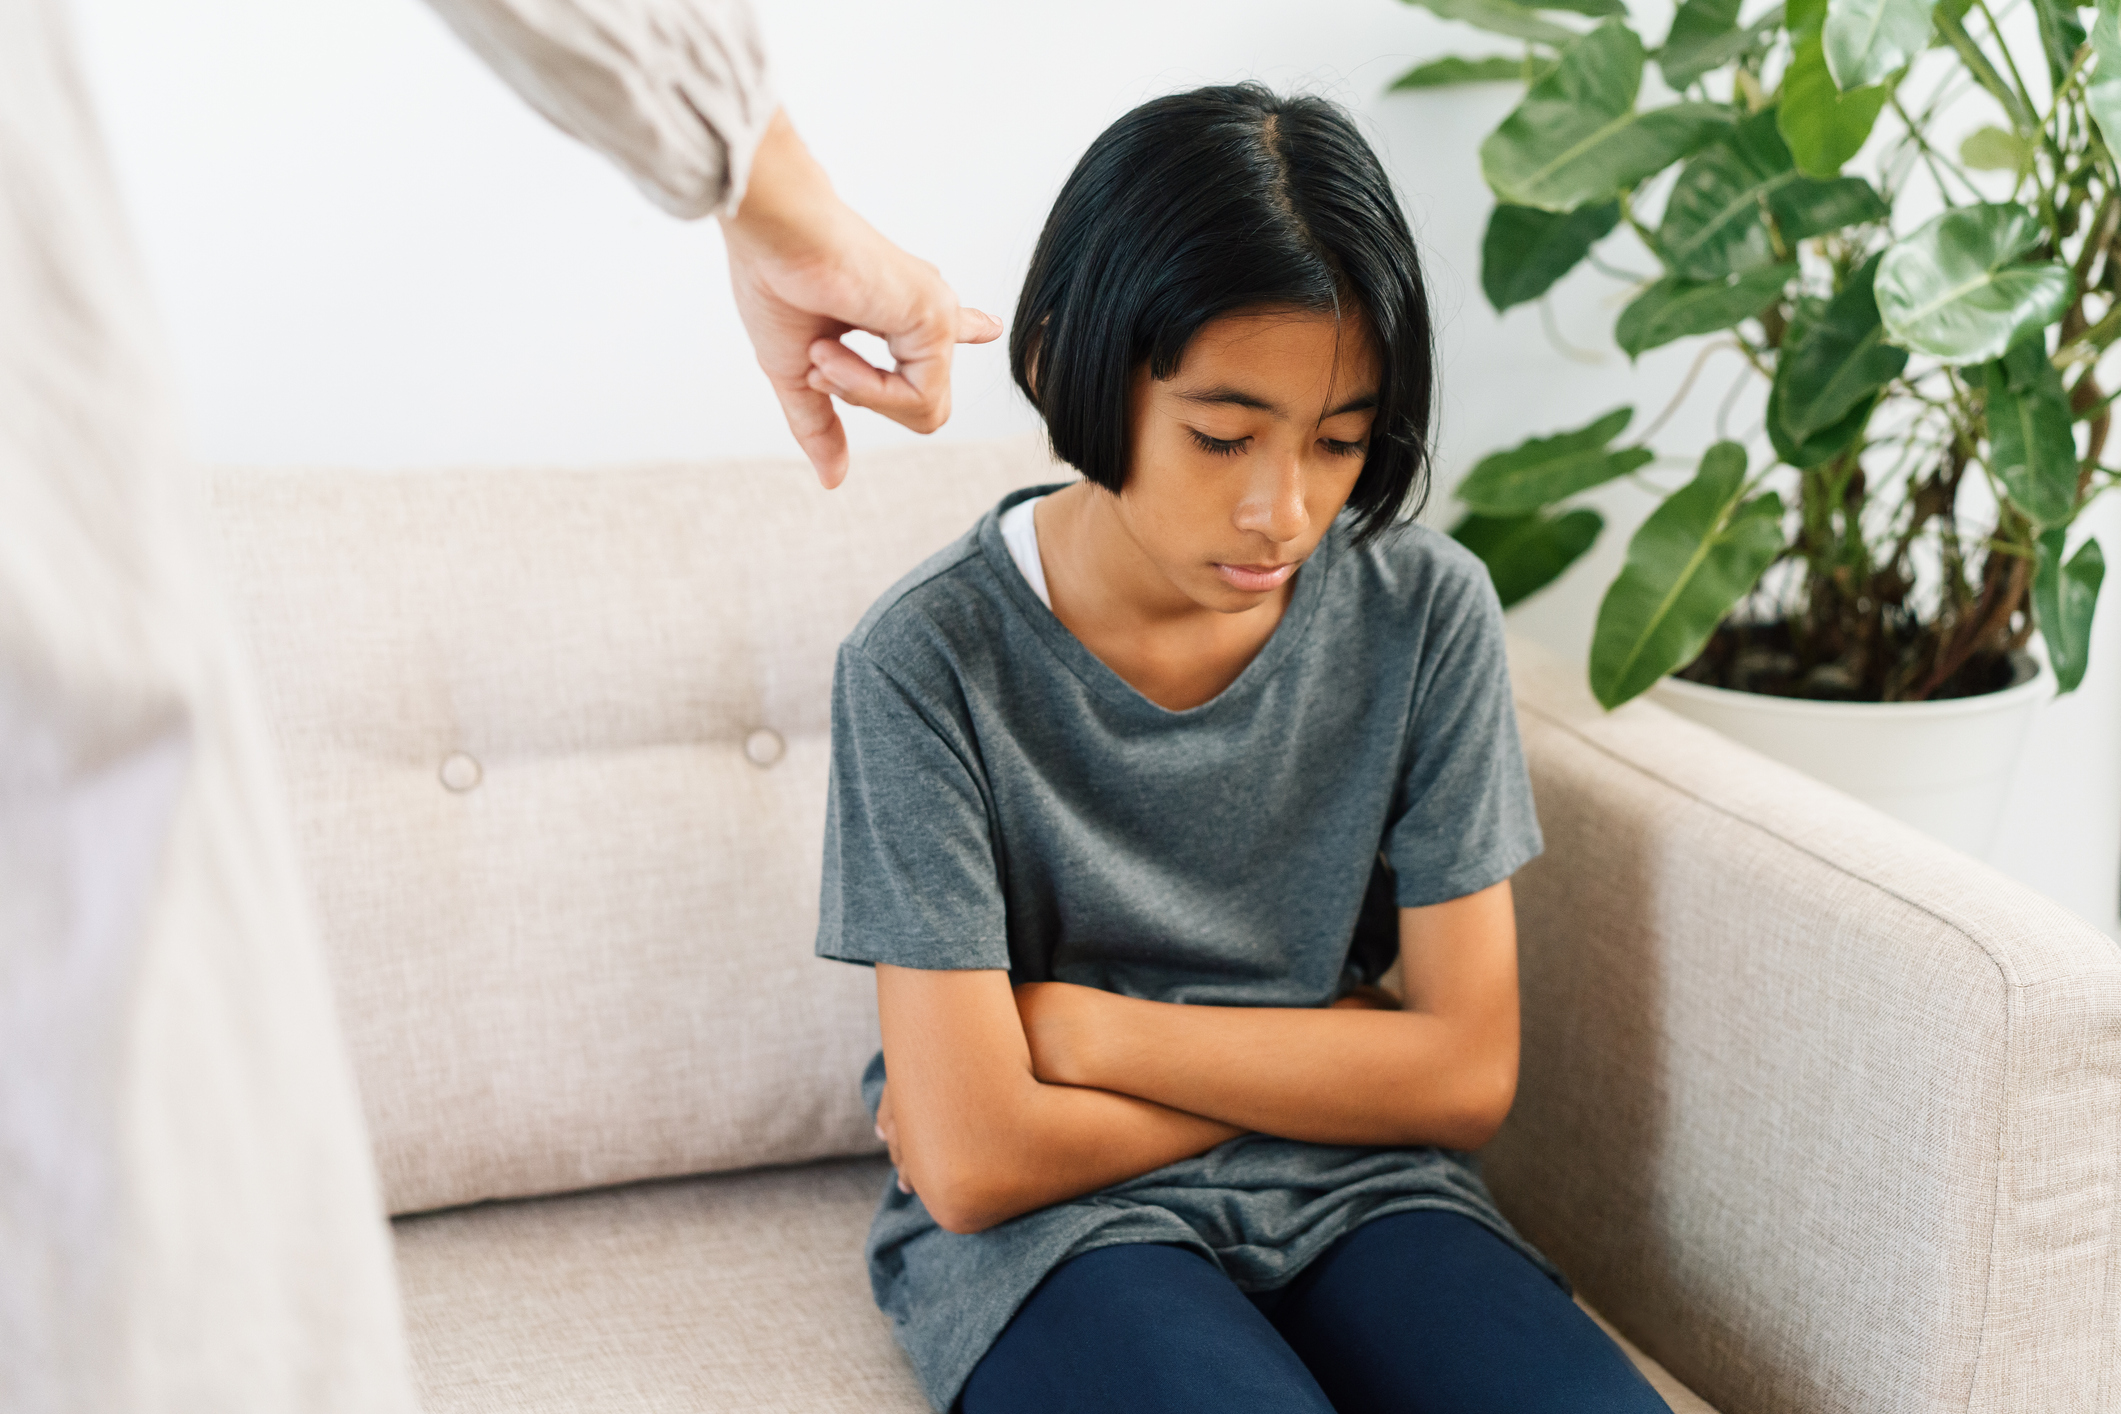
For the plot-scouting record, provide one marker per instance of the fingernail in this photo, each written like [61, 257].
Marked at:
[880, 1131]
[902, 1186]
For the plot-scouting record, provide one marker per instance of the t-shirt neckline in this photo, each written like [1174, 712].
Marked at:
[1097, 675]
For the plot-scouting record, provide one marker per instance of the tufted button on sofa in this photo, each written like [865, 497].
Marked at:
[1821, 1115]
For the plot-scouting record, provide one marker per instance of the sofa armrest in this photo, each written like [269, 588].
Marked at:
[1821, 1113]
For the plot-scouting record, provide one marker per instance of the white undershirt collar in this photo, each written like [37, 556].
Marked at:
[1020, 535]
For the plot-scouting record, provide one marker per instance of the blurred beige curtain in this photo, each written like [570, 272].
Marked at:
[188, 1210]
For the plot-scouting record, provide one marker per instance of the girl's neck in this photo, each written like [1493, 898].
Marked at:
[1109, 593]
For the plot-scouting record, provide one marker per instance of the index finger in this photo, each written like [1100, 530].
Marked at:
[817, 430]
[916, 393]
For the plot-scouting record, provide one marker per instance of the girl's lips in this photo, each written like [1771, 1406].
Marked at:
[1255, 579]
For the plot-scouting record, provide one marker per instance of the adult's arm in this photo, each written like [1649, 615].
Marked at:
[678, 94]
[1441, 1071]
[977, 1134]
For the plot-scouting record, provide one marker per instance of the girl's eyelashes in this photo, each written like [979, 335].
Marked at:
[1217, 445]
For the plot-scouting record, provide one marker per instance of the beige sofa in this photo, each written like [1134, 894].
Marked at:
[1821, 1115]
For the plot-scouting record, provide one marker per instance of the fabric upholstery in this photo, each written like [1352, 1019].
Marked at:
[591, 962]
[1825, 1115]
[1824, 1112]
[742, 1291]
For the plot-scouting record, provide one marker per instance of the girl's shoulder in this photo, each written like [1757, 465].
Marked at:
[1416, 571]
[942, 619]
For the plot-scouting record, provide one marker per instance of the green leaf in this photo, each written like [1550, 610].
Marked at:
[1834, 361]
[1994, 150]
[1824, 126]
[1685, 58]
[1715, 218]
[1697, 555]
[1865, 40]
[1524, 554]
[2102, 91]
[1809, 207]
[1673, 309]
[1500, 17]
[2031, 445]
[1453, 71]
[1700, 27]
[1598, 9]
[1546, 469]
[1526, 250]
[2061, 36]
[1577, 139]
[2064, 596]
[1955, 290]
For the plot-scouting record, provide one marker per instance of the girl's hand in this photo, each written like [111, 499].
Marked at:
[887, 1130]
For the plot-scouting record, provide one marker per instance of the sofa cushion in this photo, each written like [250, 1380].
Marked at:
[556, 746]
[742, 1291]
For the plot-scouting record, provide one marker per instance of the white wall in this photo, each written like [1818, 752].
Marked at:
[369, 253]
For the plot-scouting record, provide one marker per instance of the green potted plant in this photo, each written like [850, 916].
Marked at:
[1930, 328]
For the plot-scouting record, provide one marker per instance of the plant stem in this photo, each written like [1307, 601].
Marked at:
[1977, 63]
[2069, 82]
[2093, 340]
[2010, 62]
[1686, 386]
[1931, 157]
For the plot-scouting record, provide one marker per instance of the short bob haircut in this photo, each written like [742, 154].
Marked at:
[1221, 201]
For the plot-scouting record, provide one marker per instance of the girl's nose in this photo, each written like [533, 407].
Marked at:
[1273, 505]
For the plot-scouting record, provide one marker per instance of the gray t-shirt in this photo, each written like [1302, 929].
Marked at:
[1002, 799]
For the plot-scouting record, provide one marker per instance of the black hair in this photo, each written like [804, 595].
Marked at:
[1215, 202]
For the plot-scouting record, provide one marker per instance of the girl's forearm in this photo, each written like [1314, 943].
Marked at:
[1442, 1072]
[1061, 1142]
[1324, 1076]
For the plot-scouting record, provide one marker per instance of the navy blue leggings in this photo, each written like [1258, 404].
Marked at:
[1414, 1313]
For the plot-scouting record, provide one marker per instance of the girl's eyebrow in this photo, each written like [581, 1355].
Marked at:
[1238, 397]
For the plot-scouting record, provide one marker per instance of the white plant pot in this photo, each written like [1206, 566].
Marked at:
[1943, 767]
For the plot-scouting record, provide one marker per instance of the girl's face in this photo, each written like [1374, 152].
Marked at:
[1243, 457]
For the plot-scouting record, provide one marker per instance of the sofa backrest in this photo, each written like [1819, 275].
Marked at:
[556, 745]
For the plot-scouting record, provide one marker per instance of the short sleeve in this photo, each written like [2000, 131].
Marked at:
[910, 872]
[1463, 817]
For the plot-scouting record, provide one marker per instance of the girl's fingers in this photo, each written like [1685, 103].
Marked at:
[887, 1130]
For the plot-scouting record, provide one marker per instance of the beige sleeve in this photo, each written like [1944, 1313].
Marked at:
[674, 91]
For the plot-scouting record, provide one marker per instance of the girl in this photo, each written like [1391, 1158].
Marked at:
[1113, 779]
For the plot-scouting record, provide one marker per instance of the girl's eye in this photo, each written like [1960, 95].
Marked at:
[1217, 445]
[1346, 449]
